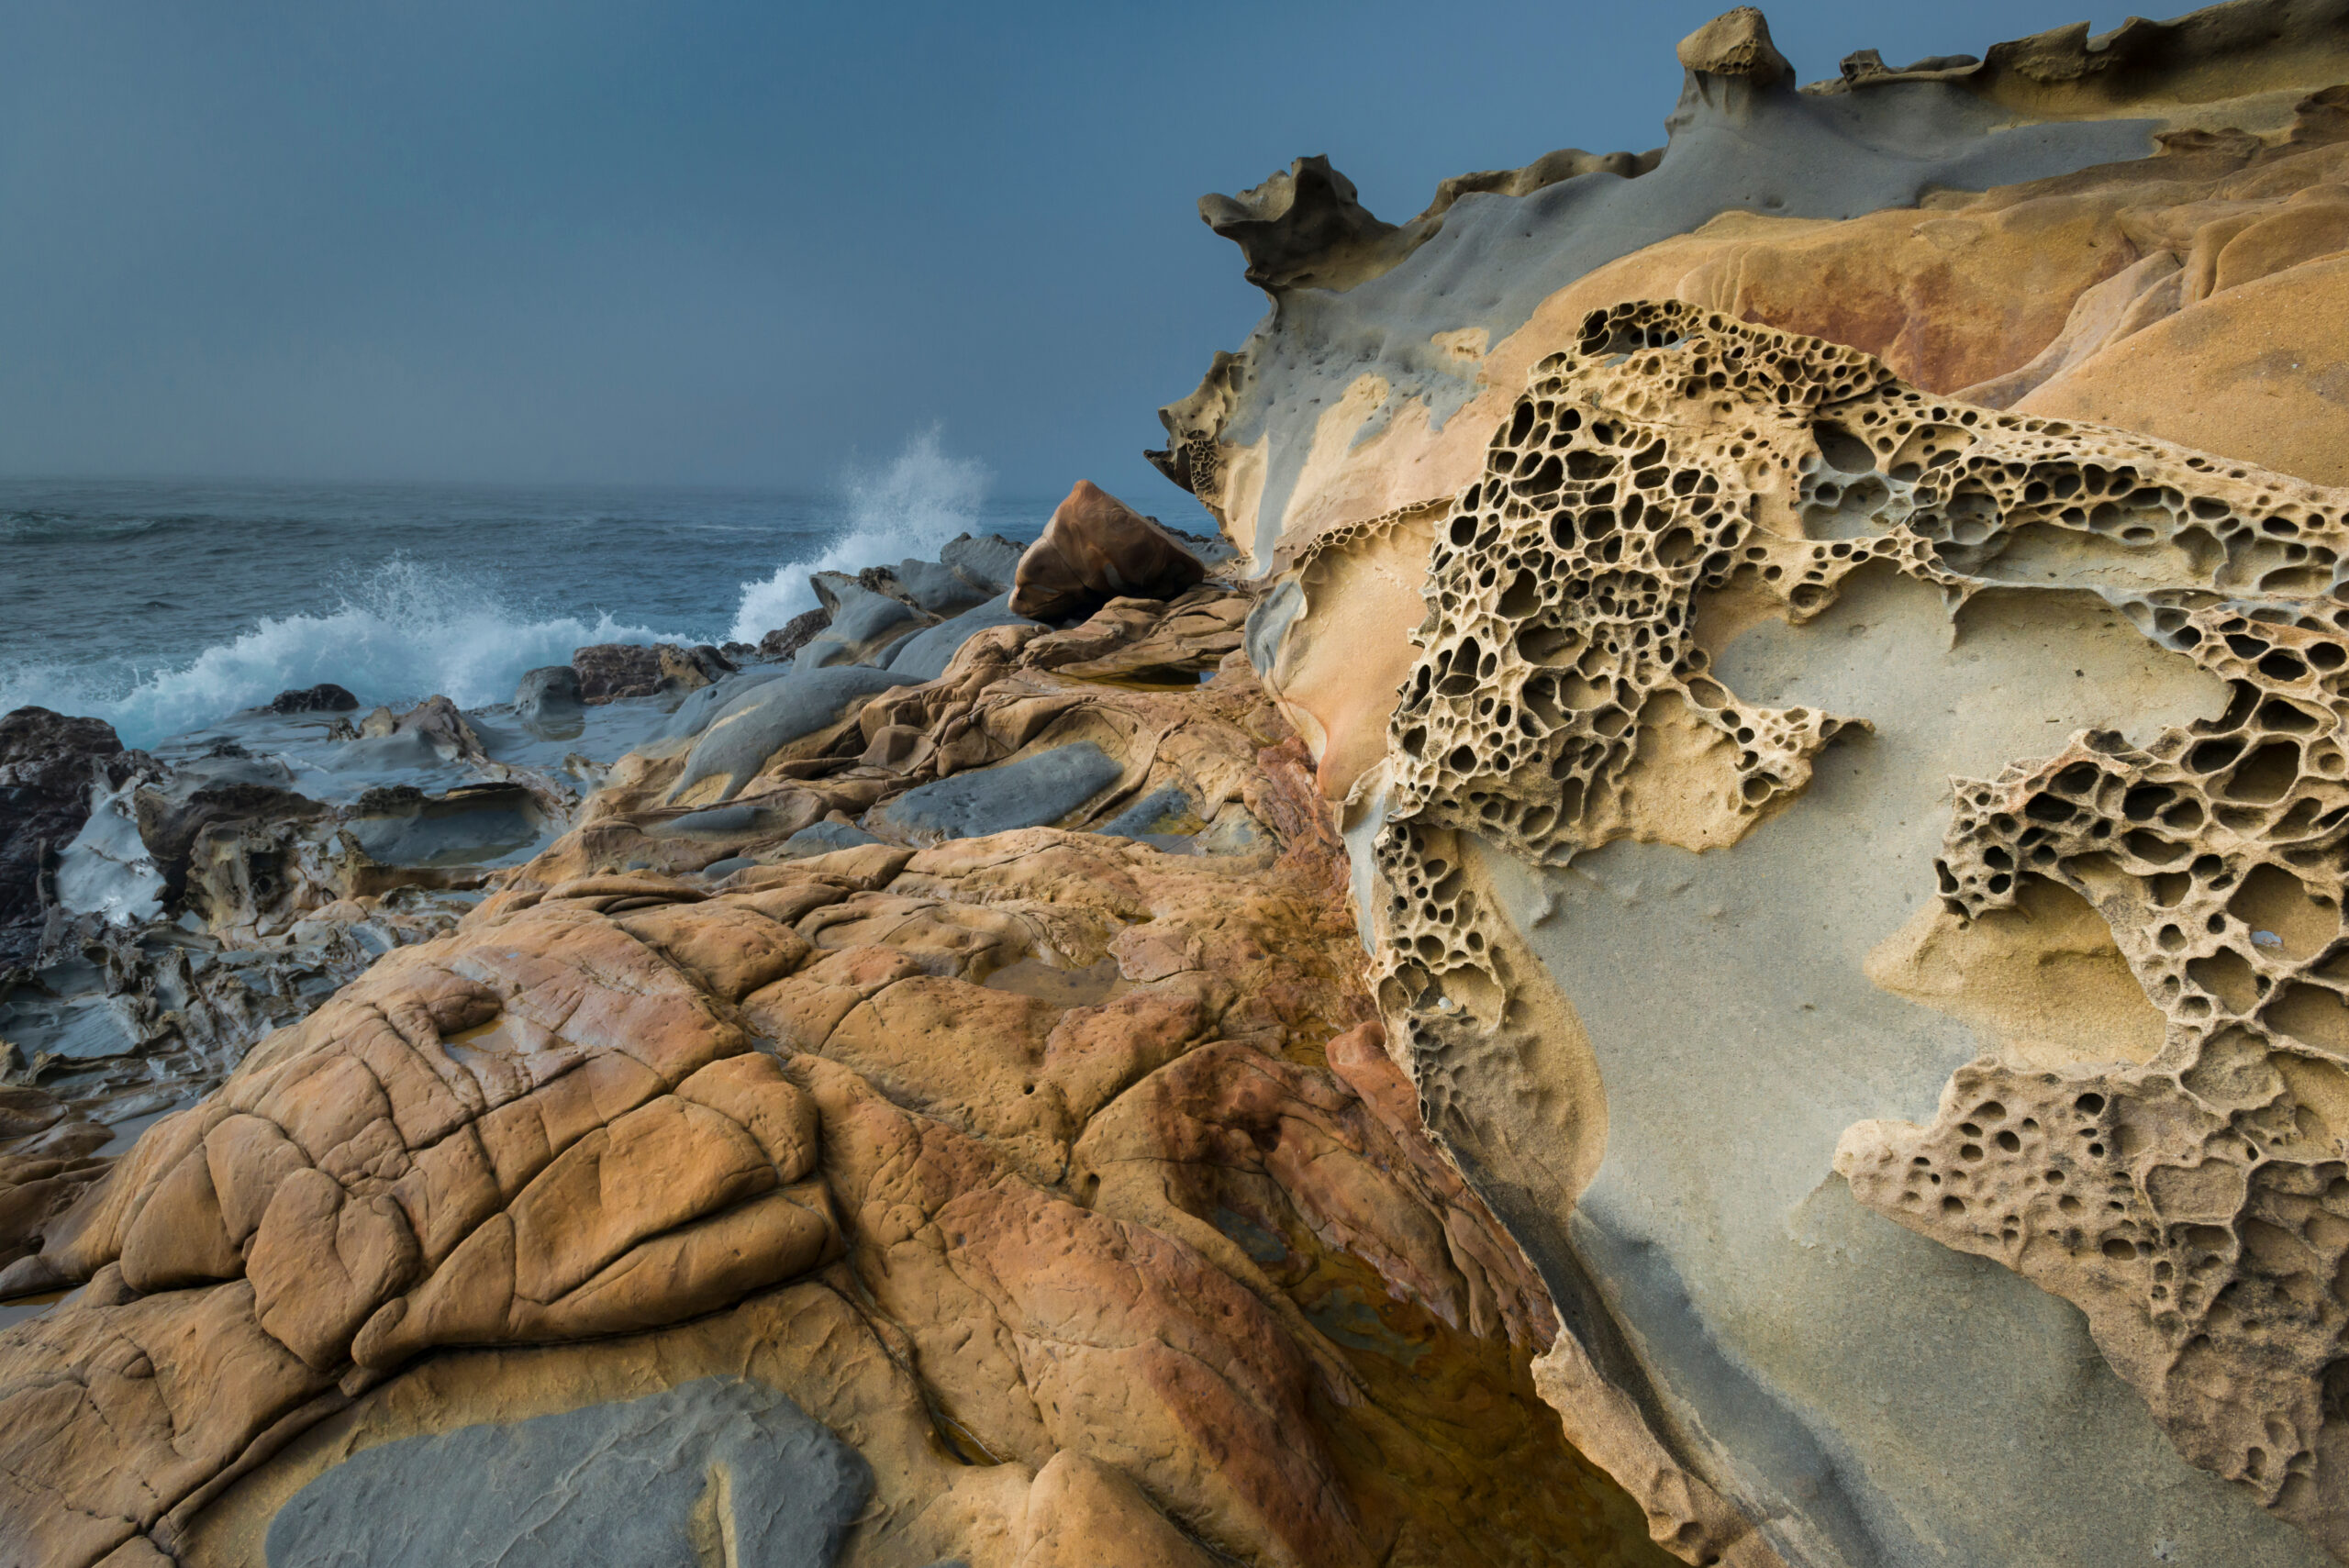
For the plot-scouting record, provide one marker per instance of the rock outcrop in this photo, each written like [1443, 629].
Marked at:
[2040, 228]
[1849, 842]
[1726, 943]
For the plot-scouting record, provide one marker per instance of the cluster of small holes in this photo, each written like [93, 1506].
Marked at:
[2196, 1208]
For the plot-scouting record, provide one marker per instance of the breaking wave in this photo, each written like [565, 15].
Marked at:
[402, 632]
[922, 499]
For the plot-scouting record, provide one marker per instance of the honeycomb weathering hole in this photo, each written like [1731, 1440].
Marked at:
[2194, 1205]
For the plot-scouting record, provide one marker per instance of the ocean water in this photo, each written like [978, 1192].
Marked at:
[164, 606]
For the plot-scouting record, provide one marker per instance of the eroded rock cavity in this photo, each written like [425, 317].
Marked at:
[2174, 1165]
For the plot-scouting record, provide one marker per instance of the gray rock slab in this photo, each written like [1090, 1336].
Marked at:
[609, 1484]
[741, 737]
[940, 589]
[694, 714]
[864, 624]
[549, 695]
[987, 559]
[1164, 811]
[924, 655]
[823, 837]
[1029, 793]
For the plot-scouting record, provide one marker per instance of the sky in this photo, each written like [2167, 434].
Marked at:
[732, 243]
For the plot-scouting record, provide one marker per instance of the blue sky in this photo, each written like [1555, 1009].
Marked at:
[730, 243]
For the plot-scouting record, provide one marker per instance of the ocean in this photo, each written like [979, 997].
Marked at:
[164, 606]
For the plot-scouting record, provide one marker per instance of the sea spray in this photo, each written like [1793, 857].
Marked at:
[403, 631]
[919, 501]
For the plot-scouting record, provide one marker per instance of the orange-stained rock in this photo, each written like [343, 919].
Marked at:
[1096, 548]
[1023, 1103]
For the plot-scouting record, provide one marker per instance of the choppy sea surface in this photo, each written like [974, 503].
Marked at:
[164, 606]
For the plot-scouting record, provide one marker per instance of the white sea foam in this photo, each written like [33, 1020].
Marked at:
[922, 499]
[402, 632]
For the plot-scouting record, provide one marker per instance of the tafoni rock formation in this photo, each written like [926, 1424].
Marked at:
[1719, 936]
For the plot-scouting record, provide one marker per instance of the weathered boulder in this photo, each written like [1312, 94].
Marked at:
[1095, 549]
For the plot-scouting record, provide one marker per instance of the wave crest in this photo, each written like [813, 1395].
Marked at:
[922, 499]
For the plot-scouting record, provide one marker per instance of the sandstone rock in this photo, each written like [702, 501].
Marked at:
[1793, 531]
[323, 697]
[1736, 43]
[46, 776]
[1096, 548]
[1371, 402]
[550, 1128]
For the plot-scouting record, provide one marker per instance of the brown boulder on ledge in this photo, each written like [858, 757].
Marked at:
[1097, 549]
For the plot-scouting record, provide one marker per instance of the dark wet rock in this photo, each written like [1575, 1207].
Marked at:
[323, 697]
[46, 774]
[609, 671]
[1029, 793]
[470, 825]
[924, 655]
[794, 634]
[217, 803]
[636, 1482]
[1097, 549]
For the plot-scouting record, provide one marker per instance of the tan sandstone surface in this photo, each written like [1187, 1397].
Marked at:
[1061, 1176]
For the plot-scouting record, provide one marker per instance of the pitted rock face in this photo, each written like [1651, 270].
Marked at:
[1678, 470]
